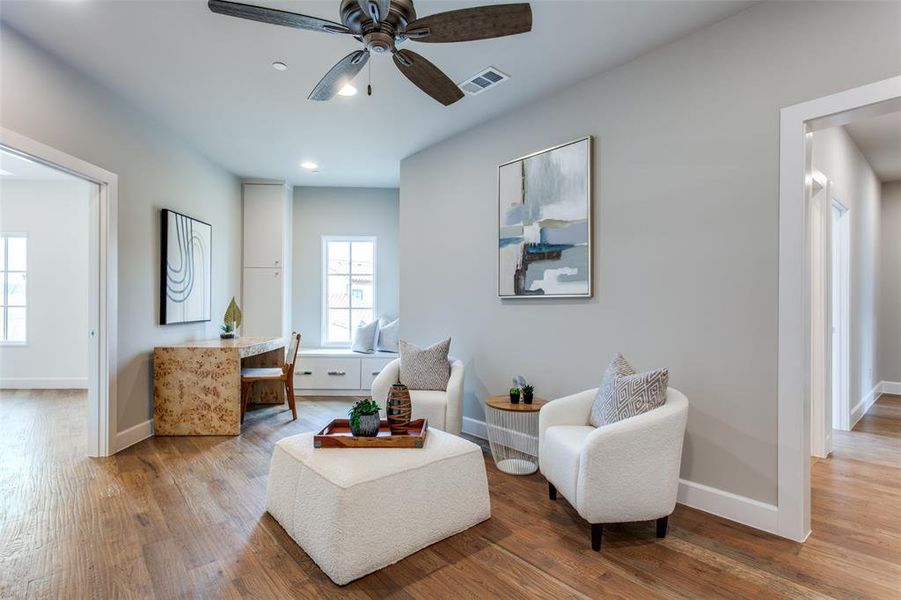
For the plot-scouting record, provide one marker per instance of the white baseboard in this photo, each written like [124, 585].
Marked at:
[890, 387]
[339, 393]
[475, 428]
[44, 383]
[133, 435]
[865, 404]
[740, 509]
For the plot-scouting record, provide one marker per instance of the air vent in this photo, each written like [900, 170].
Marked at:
[487, 78]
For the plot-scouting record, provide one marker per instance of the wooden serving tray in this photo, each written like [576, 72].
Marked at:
[337, 435]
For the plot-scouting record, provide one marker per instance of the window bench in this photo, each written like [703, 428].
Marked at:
[337, 371]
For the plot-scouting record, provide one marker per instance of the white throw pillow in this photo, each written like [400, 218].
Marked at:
[364, 337]
[388, 336]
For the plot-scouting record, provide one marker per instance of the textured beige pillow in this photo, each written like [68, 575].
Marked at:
[425, 368]
[625, 393]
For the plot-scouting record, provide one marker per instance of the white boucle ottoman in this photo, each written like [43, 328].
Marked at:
[358, 510]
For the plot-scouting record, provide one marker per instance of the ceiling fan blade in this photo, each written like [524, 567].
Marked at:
[479, 23]
[275, 17]
[427, 77]
[377, 10]
[339, 75]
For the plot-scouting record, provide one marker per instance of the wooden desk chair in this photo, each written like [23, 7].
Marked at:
[284, 374]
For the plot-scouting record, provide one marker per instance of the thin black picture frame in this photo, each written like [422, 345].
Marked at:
[164, 245]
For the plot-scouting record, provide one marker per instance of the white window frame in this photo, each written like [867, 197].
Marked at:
[4, 300]
[323, 281]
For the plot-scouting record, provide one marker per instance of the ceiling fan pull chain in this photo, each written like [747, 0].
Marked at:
[369, 85]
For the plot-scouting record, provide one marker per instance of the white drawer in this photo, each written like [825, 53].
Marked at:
[370, 367]
[327, 373]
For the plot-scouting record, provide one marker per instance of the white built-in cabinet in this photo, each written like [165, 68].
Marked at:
[267, 260]
[337, 371]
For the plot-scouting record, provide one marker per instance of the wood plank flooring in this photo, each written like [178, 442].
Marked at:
[183, 518]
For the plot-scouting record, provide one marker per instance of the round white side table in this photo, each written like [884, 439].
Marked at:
[513, 434]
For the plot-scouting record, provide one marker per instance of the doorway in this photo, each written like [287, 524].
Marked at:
[797, 126]
[98, 326]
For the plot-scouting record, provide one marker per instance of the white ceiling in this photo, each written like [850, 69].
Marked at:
[209, 78]
[879, 139]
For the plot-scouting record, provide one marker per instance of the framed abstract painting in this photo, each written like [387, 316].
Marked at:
[544, 224]
[185, 269]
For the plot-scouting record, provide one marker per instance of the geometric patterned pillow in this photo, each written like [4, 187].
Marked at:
[625, 393]
[425, 368]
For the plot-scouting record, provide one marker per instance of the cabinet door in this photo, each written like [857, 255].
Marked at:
[264, 225]
[369, 368]
[262, 310]
[323, 373]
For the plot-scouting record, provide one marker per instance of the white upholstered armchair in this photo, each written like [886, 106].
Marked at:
[443, 409]
[622, 472]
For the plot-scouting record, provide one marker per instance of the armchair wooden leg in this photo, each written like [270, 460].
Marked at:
[597, 530]
[245, 392]
[551, 491]
[292, 402]
[662, 523]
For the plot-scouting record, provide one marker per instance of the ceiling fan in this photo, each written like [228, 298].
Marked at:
[380, 25]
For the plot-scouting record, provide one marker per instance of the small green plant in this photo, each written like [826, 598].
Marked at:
[228, 328]
[514, 391]
[528, 389]
[364, 406]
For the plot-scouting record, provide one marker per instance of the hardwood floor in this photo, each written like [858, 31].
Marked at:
[183, 518]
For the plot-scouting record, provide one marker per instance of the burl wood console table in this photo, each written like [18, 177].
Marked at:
[197, 385]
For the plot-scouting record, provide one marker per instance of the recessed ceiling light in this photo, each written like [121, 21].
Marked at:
[347, 90]
[309, 165]
[279, 66]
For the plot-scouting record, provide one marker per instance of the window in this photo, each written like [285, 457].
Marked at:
[348, 283]
[13, 277]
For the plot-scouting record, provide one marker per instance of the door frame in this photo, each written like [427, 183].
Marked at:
[102, 297]
[841, 410]
[821, 315]
[796, 124]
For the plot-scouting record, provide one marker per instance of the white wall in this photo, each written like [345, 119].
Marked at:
[890, 284]
[49, 102]
[686, 226]
[856, 186]
[54, 216]
[322, 211]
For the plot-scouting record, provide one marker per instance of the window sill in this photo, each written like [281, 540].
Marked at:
[13, 344]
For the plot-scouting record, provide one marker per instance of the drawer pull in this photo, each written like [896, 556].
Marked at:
[306, 372]
[376, 372]
[339, 373]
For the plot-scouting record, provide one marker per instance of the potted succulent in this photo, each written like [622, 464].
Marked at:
[527, 393]
[514, 395]
[364, 418]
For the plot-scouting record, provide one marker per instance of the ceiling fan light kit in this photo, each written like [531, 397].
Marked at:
[381, 25]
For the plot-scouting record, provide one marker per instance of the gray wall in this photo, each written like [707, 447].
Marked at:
[322, 211]
[686, 226]
[890, 284]
[856, 186]
[53, 104]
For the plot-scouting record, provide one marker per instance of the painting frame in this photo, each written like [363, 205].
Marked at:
[166, 316]
[589, 217]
